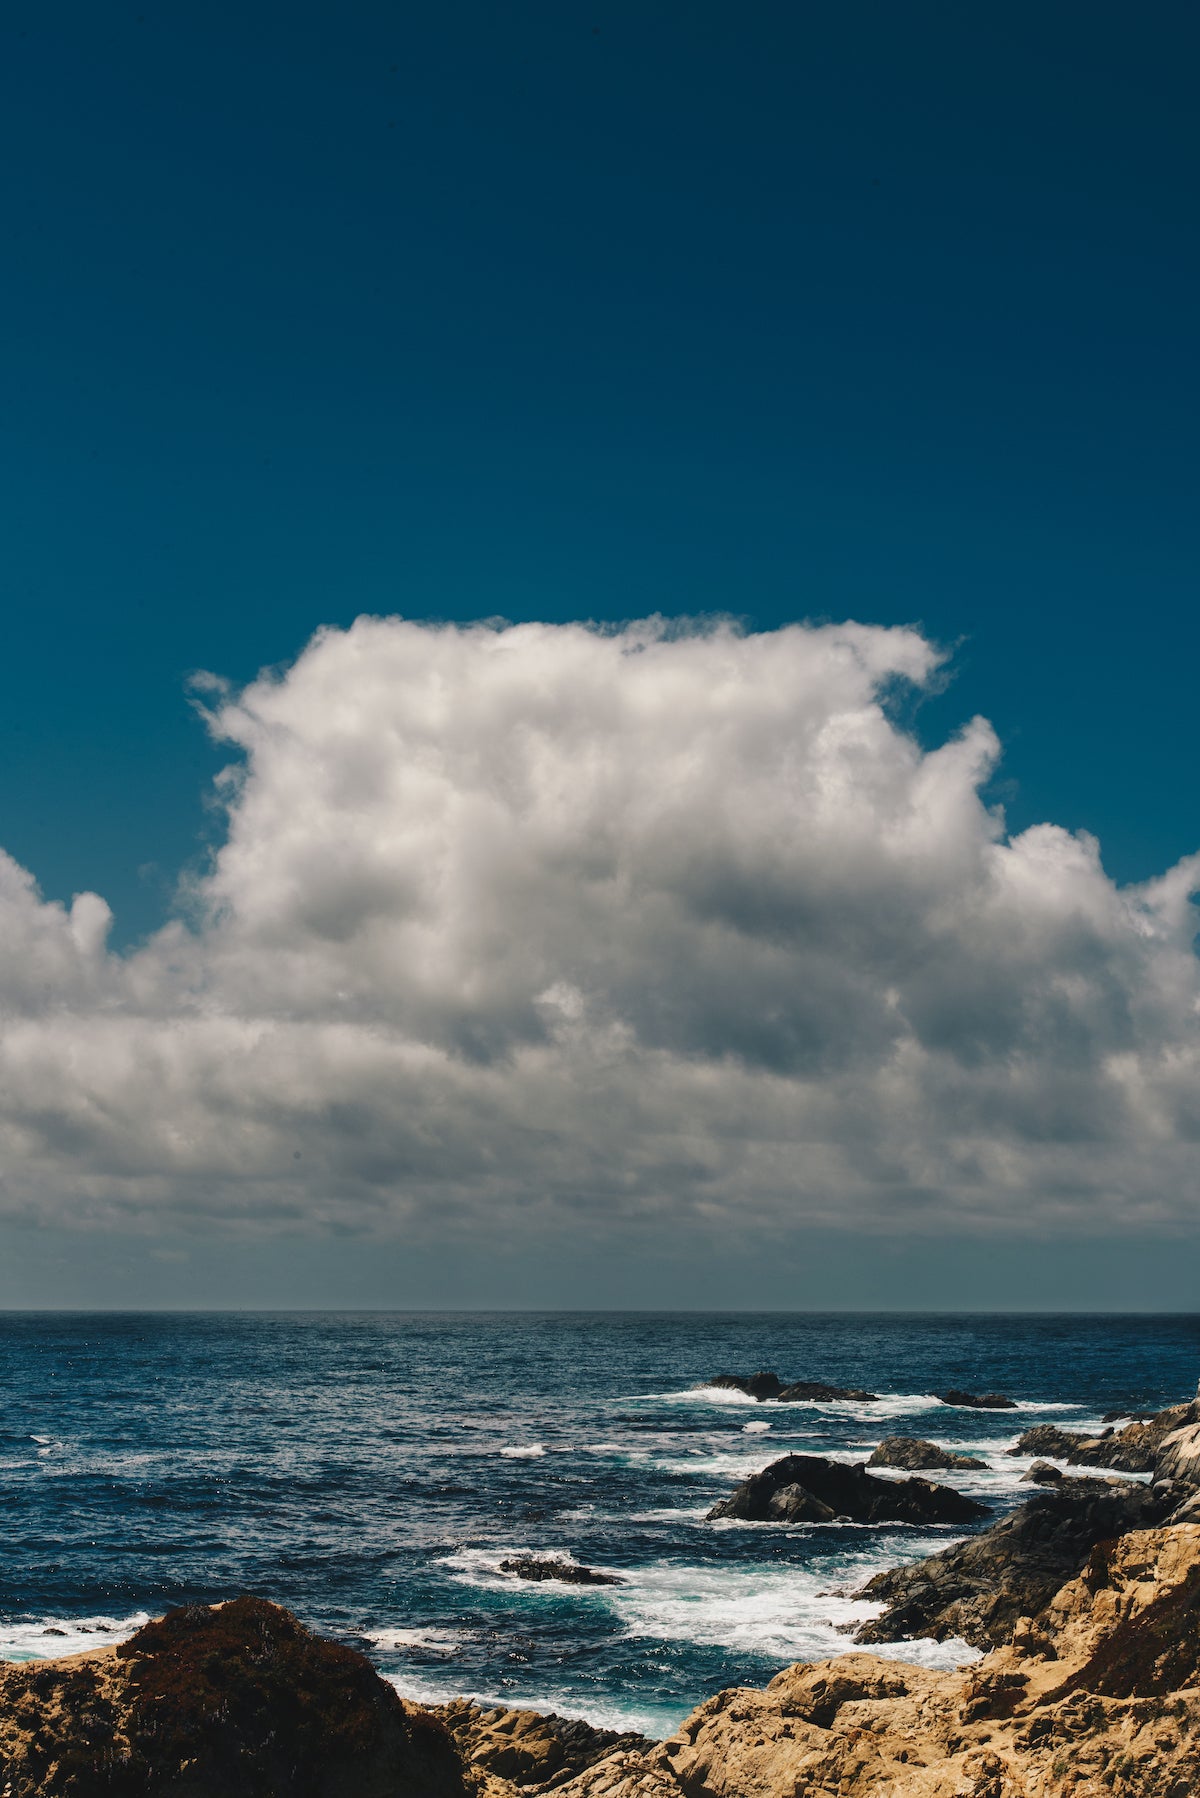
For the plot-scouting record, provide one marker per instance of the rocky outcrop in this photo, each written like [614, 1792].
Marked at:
[978, 1401]
[1179, 1457]
[810, 1489]
[1095, 1698]
[529, 1749]
[570, 1572]
[977, 1589]
[1135, 1449]
[917, 1455]
[765, 1385]
[228, 1701]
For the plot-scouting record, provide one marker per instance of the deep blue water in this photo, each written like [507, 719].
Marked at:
[371, 1471]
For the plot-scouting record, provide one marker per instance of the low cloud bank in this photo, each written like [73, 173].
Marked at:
[543, 924]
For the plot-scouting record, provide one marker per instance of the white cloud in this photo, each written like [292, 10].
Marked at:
[627, 929]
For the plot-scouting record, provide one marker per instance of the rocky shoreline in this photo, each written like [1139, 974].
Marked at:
[1087, 1600]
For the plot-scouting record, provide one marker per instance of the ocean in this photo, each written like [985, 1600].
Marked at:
[372, 1470]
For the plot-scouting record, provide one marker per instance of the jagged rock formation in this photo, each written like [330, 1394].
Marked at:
[810, 1489]
[765, 1385]
[1135, 1449]
[570, 1572]
[529, 1749]
[978, 1401]
[977, 1589]
[229, 1701]
[1095, 1698]
[916, 1454]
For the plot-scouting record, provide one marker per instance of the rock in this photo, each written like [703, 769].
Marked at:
[527, 1567]
[1044, 1473]
[765, 1385]
[801, 1391]
[756, 1385]
[811, 1489]
[529, 1749]
[1179, 1456]
[225, 1701]
[913, 1452]
[979, 1588]
[1134, 1449]
[1097, 1695]
[977, 1401]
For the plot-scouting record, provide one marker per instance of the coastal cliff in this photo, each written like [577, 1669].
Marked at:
[1088, 1599]
[1095, 1697]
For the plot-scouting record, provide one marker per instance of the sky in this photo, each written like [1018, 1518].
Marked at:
[600, 643]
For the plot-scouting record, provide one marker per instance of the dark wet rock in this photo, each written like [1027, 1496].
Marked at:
[528, 1567]
[755, 1385]
[979, 1588]
[916, 1454]
[531, 1748]
[978, 1401]
[802, 1390]
[230, 1701]
[1135, 1449]
[765, 1385]
[810, 1489]
[1044, 1473]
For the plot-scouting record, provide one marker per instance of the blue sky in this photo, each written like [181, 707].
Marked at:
[583, 312]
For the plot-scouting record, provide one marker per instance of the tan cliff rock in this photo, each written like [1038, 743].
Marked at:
[1097, 1696]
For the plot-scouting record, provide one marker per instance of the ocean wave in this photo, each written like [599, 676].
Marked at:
[780, 1614]
[47, 1638]
[531, 1451]
[565, 1701]
[429, 1641]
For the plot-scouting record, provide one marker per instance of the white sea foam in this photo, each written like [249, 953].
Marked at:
[431, 1641]
[530, 1451]
[45, 1638]
[568, 1702]
[481, 1567]
[754, 1429]
[782, 1613]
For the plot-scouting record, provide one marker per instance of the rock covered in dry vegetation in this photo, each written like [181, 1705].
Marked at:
[811, 1489]
[230, 1701]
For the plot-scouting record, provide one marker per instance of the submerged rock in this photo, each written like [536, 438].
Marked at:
[811, 1489]
[979, 1588]
[915, 1453]
[978, 1401]
[224, 1701]
[528, 1567]
[755, 1385]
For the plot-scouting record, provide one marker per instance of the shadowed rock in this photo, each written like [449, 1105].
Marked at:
[810, 1489]
[768, 1386]
[228, 1701]
[527, 1567]
[916, 1454]
[979, 1588]
[1135, 1449]
[978, 1401]
[529, 1748]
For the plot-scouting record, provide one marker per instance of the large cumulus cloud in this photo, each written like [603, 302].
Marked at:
[659, 926]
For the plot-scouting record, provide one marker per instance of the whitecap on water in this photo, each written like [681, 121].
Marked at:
[530, 1451]
[45, 1638]
[430, 1641]
[754, 1429]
